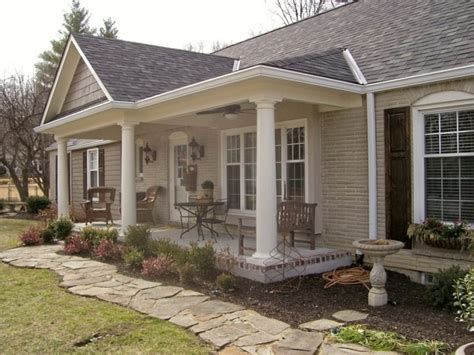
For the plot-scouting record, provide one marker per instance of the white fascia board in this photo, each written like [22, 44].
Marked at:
[89, 144]
[84, 113]
[249, 73]
[421, 79]
[91, 69]
[56, 79]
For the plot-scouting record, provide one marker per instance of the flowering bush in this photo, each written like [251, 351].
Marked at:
[77, 245]
[464, 299]
[31, 236]
[108, 250]
[156, 266]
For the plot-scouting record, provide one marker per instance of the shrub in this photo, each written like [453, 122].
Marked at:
[62, 227]
[226, 282]
[156, 266]
[464, 299]
[108, 250]
[187, 274]
[48, 214]
[203, 259]
[440, 293]
[47, 235]
[208, 184]
[36, 203]
[138, 237]
[31, 236]
[77, 245]
[168, 248]
[95, 235]
[133, 258]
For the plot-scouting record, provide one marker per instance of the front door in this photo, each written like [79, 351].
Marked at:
[398, 167]
[178, 165]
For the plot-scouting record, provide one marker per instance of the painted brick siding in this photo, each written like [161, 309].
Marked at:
[344, 177]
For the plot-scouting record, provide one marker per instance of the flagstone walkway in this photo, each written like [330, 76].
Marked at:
[228, 327]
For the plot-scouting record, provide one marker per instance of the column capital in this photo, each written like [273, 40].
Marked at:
[266, 102]
[126, 124]
[60, 139]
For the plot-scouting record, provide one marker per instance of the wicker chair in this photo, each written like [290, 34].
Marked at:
[97, 207]
[145, 205]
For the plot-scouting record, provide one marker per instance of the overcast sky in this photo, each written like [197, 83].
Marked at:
[27, 26]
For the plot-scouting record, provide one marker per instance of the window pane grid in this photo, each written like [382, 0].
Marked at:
[449, 166]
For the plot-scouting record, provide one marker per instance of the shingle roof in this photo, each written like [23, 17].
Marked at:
[330, 64]
[132, 71]
[388, 38]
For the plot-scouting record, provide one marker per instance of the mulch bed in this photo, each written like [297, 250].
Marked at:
[407, 314]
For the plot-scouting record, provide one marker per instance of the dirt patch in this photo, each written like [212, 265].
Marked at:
[105, 333]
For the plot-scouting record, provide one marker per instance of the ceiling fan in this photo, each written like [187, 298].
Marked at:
[230, 112]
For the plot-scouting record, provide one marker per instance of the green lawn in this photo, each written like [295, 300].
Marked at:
[37, 316]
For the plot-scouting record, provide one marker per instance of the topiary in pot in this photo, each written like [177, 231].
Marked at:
[208, 189]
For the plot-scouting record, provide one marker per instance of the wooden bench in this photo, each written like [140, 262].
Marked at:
[292, 217]
[13, 204]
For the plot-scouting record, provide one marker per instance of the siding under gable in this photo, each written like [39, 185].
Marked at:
[83, 90]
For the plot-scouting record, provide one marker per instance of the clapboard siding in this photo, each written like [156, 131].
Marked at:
[84, 89]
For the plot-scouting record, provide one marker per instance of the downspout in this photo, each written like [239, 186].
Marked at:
[372, 159]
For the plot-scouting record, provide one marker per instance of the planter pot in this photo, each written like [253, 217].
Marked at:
[467, 349]
[208, 194]
[448, 243]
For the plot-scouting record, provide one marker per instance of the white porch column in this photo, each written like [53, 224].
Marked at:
[63, 178]
[372, 159]
[266, 222]
[128, 188]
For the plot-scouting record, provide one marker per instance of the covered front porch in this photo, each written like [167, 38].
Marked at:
[259, 142]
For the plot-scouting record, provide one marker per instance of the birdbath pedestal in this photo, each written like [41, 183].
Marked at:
[378, 249]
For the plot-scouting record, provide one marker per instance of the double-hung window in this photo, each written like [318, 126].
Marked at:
[241, 165]
[92, 168]
[449, 165]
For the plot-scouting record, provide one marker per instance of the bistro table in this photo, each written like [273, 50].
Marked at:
[199, 210]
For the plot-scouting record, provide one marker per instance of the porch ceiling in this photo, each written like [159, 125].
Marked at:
[101, 121]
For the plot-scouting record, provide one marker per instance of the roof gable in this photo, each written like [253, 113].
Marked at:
[388, 39]
[132, 71]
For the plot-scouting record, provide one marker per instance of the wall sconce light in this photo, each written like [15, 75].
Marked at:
[197, 150]
[150, 154]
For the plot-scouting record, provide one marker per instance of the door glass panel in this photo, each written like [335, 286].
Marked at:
[180, 165]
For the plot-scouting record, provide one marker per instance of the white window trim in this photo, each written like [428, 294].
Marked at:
[418, 145]
[89, 167]
[301, 122]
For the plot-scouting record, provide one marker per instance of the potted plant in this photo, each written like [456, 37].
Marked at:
[442, 235]
[208, 189]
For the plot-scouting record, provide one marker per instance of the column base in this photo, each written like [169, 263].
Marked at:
[378, 297]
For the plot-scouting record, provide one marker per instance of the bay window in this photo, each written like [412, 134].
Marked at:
[241, 168]
[449, 165]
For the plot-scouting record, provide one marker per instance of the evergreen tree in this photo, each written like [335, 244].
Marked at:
[75, 21]
[108, 30]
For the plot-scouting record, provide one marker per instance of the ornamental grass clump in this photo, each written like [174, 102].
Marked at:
[133, 258]
[158, 266]
[203, 259]
[108, 250]
[226, 282]
[464, 299]
[139, 237]
[77, 245]
[31, 236]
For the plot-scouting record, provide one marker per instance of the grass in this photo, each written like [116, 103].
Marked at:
[387, 341]
[37, 316]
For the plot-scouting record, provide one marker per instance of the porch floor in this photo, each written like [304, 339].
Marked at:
[300, 262]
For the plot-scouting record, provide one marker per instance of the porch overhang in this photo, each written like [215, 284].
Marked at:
[253, 83]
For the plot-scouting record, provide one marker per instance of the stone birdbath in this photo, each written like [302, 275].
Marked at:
[379, 249]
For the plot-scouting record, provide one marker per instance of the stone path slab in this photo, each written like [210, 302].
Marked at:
[225, 325]
[349, 315]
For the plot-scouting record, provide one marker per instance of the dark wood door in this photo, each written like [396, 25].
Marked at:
[398, 177]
